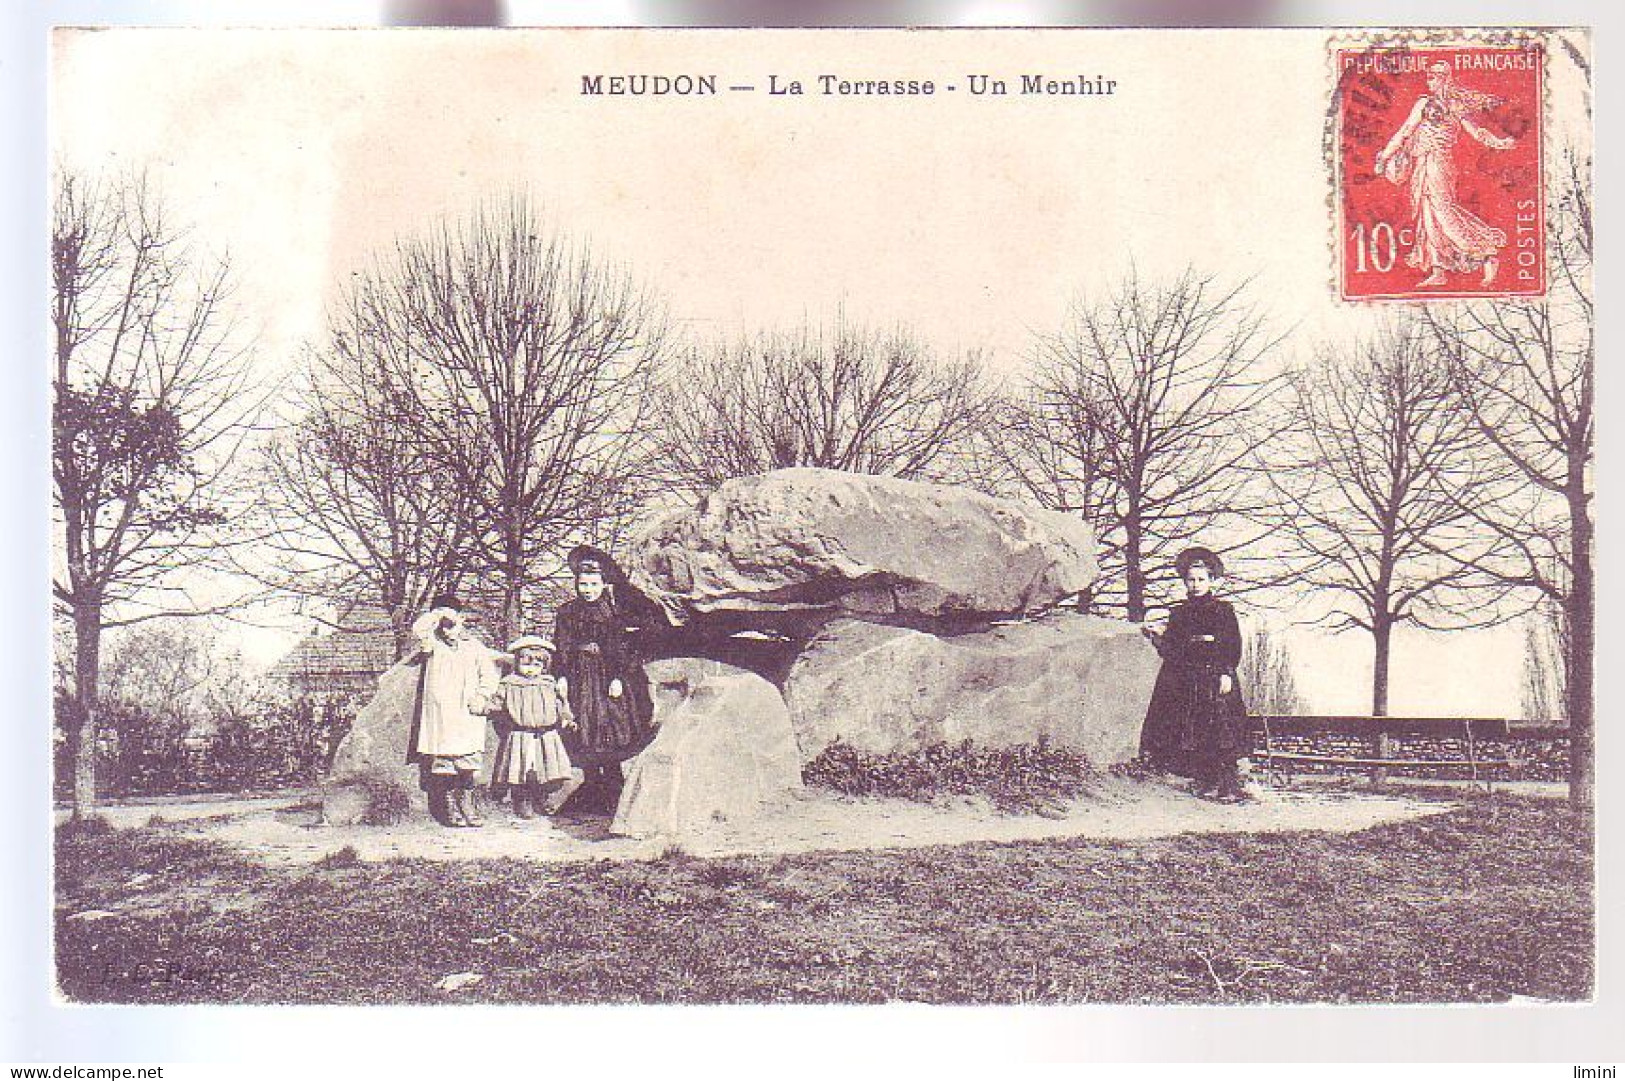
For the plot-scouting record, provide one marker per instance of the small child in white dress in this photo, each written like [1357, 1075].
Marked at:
[531, 760]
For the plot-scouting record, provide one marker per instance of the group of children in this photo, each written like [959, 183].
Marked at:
[569, 715]
[1196, 724]
[463, 691]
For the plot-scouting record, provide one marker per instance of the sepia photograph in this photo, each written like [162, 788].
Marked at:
[986, 517]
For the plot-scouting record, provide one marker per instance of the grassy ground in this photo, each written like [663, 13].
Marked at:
[1479, 904]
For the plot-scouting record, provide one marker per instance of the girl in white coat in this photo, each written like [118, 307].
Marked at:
[459, 675]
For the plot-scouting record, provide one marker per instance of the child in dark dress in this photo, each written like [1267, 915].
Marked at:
[599, 666]
[1196, 725]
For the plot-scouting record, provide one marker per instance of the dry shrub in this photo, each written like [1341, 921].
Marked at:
[388, 802]
[344, 857]
[1023, 779]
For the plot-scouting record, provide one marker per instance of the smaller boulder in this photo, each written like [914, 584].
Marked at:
[724, 752]
[374, 752]
[347, 802]
[1066, 679]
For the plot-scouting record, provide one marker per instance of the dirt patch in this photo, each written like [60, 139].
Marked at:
[128, 814]
[1120, 809]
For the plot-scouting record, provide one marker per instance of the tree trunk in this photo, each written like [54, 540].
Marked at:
[400, 626]
[1382, 635]
[1382, 631]
[1133, 572]
[513, 595]
[1581, 661]
[87, 634]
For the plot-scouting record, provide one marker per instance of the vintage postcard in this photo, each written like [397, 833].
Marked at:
[799, 516]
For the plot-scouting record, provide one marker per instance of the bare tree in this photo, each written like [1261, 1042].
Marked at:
[1545, 648]
[1052, 447]
[359, 512]
[163, 668]
[1373, 492]
[1266, 676]
[149, 395]
[1145, 415]
[849, 398]
[522, 368]
[1525, 373]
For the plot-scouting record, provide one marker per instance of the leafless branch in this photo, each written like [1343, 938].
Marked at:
[849, 398]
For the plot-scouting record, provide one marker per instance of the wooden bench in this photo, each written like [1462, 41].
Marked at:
[1380, 731]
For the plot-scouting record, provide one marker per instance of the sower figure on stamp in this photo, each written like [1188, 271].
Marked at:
[1196, 724]
[600, 664]
[459, 674]
[1448, 237]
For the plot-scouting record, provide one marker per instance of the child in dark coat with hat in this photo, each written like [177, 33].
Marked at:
[600, 664]
[1196, 724]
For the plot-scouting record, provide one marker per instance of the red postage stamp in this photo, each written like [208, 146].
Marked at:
[1439, 172]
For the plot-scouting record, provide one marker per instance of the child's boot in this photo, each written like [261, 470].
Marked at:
[524, 804]
[452, 801]
[1231, 790]
[471, 801]
[442, 800]
[435, 788]
[458, 805]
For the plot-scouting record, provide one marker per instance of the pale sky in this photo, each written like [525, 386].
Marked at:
[972, 219]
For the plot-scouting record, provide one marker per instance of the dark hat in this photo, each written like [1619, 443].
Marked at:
[584, 558]
[1190, 557]
[448, 600]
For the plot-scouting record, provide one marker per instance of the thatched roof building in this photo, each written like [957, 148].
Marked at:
[347, 658]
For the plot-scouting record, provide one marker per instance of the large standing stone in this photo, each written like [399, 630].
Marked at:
[1073, 680]
[374, 753]
[831, 543]
[725, 751]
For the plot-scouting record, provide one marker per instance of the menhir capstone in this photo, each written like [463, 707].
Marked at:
[819, 543]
